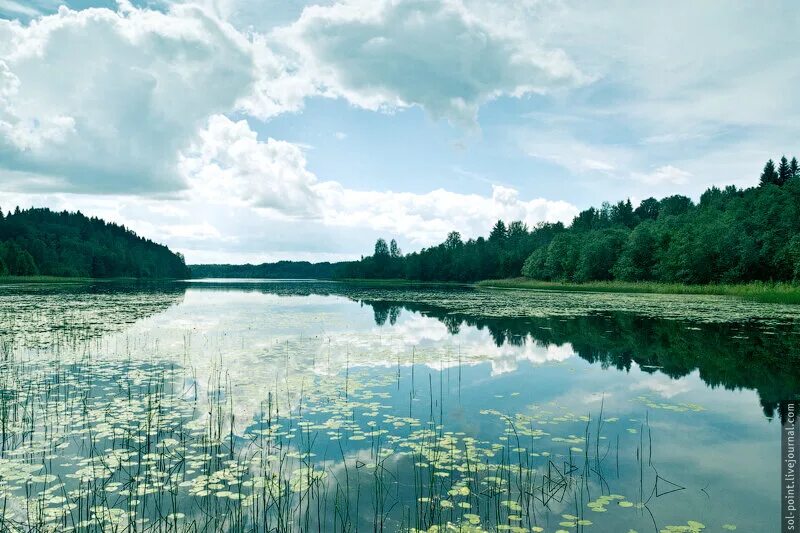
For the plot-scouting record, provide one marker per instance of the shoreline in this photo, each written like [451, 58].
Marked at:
[766, 292]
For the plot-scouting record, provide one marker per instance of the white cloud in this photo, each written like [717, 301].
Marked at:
[666, 175]
[102, 101]
[425, 219]
[271, 177]
[387, 54]
[230, 162]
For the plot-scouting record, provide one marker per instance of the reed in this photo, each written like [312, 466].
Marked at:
[767, 292]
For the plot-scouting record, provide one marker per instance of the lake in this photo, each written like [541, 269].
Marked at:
[246, 405]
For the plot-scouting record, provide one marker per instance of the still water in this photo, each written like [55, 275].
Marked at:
[300, 406]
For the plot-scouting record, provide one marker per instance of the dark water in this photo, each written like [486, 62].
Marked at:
[327, 406]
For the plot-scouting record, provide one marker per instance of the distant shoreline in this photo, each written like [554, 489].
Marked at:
[765, 292]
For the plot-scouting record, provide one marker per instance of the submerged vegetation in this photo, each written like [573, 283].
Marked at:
[38, 241]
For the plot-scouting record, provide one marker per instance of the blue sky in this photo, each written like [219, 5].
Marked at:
[238, 130]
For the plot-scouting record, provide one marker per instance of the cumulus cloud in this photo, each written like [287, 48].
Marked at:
[387, 54]
[427, 218]
[272, 176]
[230, 162]
[133, 104]
[103, 101]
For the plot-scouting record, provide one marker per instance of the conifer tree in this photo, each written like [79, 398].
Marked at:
[769, 175]
[784, 172]
[499, 232]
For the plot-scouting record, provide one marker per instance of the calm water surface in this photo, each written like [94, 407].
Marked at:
[289, 406]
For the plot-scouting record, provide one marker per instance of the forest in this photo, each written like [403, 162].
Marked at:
[39, 241]
[279, 270]
[731, 235]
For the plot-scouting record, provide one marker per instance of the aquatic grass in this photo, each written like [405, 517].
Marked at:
[757, 291]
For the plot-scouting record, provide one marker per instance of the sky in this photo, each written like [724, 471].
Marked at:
[257, 130]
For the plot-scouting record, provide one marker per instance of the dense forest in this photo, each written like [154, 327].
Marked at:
[279, 270]
[731, 235]
[39, 241]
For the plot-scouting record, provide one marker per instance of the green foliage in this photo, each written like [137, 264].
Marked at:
[279, 270]
[730, 236]
[38, 241]
[794, 254]
[784, 171]
[502, 254]
[769, 175]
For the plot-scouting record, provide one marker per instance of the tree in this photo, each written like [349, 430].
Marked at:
[674, 205]
[498, 234]
[794, 254]
[731, 235]
[784, 171]
[394, 250]
[586, 220]
[453, 241]
[769, 175]
[599, 253]
[793, 168]
[38, 240]
[535, 265]
[381, 249]
[638, 256]
[648, 209]
[622, 214]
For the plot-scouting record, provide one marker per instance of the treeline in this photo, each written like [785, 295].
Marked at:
[279, 270]
[39, 241]
[731, 235]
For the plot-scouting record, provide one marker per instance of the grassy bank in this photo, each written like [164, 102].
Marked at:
[786, 293]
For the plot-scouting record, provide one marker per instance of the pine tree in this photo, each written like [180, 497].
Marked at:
[769, 174]
[499, 232]
[784, 172]
[793, 168]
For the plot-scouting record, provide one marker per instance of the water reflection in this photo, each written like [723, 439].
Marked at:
[287, 406]
[760, 355]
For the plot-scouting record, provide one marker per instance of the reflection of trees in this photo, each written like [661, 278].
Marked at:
[730, 355]
[384, 311]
